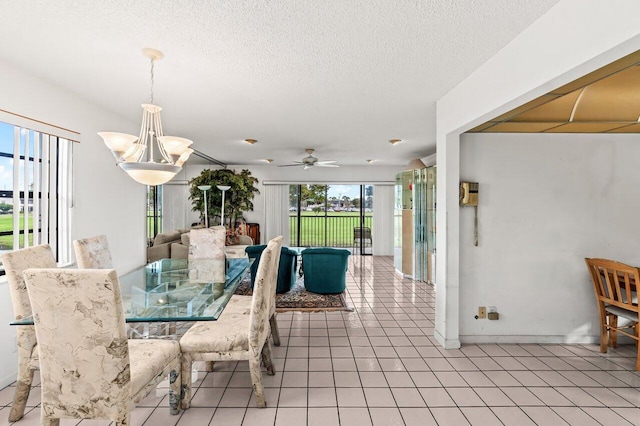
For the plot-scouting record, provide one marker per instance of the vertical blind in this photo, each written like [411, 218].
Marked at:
[35, 190]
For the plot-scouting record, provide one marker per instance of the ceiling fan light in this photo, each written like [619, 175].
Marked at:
[251, 141]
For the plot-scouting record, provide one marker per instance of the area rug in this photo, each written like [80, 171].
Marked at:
[300, 300]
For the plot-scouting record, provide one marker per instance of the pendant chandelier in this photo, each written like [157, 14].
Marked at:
[136, 154]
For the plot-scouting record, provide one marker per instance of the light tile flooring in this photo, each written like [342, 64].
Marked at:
[380, 365]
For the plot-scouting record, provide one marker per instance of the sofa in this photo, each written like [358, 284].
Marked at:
[175, 245]
[286, 267]
[325, 269]
[165, 242]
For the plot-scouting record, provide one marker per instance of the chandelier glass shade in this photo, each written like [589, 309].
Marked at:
[137, 156]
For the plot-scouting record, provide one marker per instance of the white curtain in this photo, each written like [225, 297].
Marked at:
[383, 200]
[276, 211]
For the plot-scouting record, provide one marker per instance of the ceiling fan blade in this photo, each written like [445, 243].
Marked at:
[327, 162]
[326, 165]
[292, 165]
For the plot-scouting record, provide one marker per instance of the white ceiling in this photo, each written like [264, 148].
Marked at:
[340, 76]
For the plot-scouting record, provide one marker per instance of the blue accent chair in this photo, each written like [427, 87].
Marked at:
[286, 268]
[325, 269]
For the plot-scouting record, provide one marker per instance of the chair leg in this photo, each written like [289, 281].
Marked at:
[185, 380]
[256, 379]
[23, 387]
[267, 360]
[274, 330]
[175, 385]
[48, 421]
[613, 340]
[124, 420]
[604, 332]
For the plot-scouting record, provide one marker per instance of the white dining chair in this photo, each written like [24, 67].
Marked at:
[88, 367]
[15, 263]
[237, 337]
[93, 253]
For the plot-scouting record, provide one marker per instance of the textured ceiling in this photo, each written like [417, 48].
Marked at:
[339, 76]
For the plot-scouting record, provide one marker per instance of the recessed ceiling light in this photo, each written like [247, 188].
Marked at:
[250, 141]
[371, 161]
[268, 160]
[395, 141]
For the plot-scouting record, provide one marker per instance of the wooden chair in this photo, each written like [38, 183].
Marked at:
[89, 370]
[237, 337]
[615, 285]
[15, 263]
[93, 253]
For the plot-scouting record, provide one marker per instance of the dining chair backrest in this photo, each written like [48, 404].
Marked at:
[15, 263]
[84, 354]
[207, 243]
[615, 285]
[264, 293]
[93, 253]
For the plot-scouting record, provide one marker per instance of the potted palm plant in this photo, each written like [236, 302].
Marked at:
[238, 198]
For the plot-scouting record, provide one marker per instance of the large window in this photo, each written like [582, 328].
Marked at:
[331, 216]
[35, 190]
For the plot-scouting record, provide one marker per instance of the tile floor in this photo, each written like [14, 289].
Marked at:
[380, 365]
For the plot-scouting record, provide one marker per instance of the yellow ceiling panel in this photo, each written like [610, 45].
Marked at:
[531, 104]
[604, 101]
[558, 109]
[585, 127]
[632, 128]
[600, 73]
[512, 127]
[612, 99]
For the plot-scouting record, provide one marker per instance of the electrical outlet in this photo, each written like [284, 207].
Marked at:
[482, 312]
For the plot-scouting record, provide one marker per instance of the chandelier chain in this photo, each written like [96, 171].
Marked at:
[152, 64]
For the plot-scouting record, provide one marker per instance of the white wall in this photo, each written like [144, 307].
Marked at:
[574, 38]
[343, 174]
[106, 200]
[546, 202]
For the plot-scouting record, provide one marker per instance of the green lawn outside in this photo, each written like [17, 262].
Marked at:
[6, 224]
[336, 230]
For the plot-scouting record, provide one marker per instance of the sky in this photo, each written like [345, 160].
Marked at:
[339, 191]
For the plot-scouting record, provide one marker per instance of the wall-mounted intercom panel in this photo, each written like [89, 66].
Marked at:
[469, 194]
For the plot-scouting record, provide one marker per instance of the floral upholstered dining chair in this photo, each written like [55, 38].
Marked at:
[15, 263]
[93, 253]
[88, 367]
[237, 337]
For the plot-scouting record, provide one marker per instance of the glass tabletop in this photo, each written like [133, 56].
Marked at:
[178, 290]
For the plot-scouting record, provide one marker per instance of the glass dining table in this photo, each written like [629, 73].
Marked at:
[172, 290]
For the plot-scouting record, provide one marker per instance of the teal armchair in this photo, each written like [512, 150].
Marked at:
[325, 269]
[286, 268]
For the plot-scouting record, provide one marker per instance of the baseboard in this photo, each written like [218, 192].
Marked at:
[446, 344]
[515, 339]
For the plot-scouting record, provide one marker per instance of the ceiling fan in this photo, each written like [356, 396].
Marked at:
[311, 161]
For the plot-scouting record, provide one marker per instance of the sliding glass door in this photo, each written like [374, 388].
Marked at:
[332, 216]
